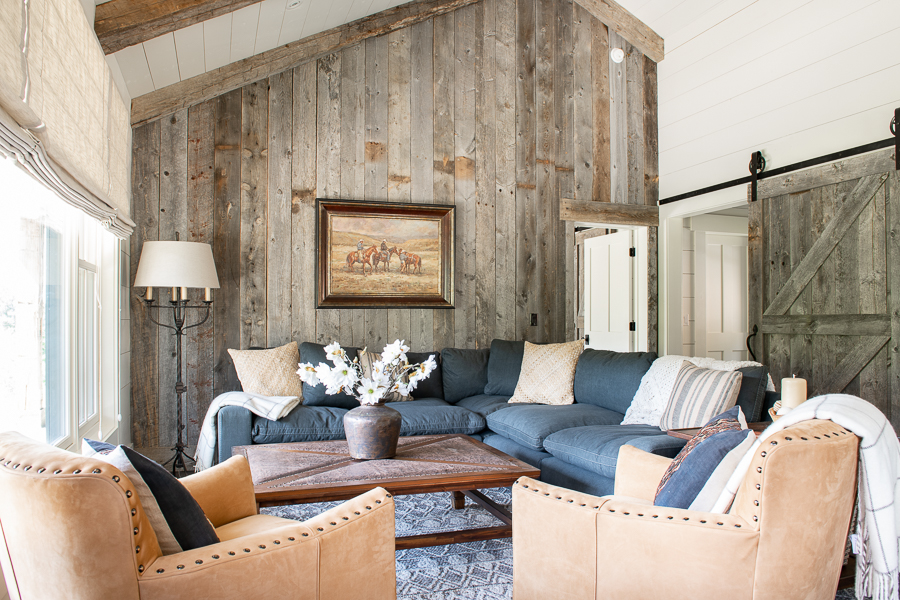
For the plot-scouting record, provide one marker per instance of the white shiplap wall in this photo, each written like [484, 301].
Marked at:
[206, 46]
[793, 78]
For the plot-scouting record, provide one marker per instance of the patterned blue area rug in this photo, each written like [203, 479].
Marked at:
[473, 571]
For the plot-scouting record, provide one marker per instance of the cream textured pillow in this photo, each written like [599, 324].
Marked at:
[548, 373]
[367, 360]
[269, 372]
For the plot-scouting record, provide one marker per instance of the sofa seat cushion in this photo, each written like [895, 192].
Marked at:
[530, 424]
[303, 424]
[485, 404]
[431, 416]
[596, 448]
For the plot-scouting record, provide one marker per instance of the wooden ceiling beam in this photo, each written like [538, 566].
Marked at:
[224, 79]
[635, 31]
[609, 213]
[123, 23]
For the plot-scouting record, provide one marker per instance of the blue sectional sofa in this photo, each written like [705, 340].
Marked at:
[575, 446]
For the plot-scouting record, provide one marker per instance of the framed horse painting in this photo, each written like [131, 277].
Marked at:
[381, 254]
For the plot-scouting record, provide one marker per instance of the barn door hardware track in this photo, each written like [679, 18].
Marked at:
[759, 162]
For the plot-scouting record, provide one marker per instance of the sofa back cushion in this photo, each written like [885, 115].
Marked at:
[752, 395]
[465, 372]
[433, 386]
[610, 379]
[315, 395]
[504, 365]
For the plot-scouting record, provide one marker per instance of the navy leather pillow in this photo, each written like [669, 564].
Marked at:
[315, 395]
[504, 366]
[433, 387]
[177, 519]
[465, 373]
[752, 394]
[610, 379]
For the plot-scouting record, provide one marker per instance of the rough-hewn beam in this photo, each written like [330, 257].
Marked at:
[609, 213]
[628, 26]
[123, 23]
[209, 85]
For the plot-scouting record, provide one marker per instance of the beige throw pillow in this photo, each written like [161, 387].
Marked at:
[548, 373]
[269, 372]
[366, 360]
[699, 395]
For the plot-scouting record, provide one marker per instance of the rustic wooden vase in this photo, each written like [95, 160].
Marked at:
[372, 431]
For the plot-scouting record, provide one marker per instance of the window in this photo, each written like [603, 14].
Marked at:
[56, 264]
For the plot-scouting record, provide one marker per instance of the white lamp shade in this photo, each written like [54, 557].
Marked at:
[176, 264]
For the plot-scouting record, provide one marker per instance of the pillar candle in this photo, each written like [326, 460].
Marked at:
[149, 295]
[174, 294]
[207, 294]
[793, 392]
[184, 293]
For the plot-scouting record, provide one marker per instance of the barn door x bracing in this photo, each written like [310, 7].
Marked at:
[824, 254]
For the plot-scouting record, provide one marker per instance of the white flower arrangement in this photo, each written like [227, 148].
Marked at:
[387, 374]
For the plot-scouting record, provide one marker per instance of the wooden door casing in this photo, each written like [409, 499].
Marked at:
[824, 254]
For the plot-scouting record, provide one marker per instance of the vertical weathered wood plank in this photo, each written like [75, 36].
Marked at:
[584, 106]
[756, 275]
[547, 194]
[144, 334]
[398, 151]
[634, 108]
[173, 224]
[618, 122]
[652, 289]
[847, 282]
[651, 133]
[892, 212]
[485, 173]
[468, 46]
[872, 297]
[376, 185]
[200, 191]
[227, 238]
[601, 93]
[278, 245]
[801, 358]
[421, 146]
[822, 203]
[563, 311]
[779, 252]
[254, 196]
[303, 205]
[505, 196]
[353, 161]
[443, 162]
[527, 290]
[328, 164]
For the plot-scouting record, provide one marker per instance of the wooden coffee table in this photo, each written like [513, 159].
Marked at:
[307, 472]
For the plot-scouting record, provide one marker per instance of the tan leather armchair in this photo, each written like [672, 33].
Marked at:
[72, 527]
[783, 539]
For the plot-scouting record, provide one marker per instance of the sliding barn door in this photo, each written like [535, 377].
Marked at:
[824, 254]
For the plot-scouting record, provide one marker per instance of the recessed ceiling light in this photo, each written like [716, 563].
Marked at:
[294, 4]
[617, 54]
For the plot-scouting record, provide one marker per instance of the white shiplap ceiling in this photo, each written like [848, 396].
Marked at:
[795, 79]
[206, 46]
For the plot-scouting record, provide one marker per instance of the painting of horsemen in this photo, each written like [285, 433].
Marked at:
[384, 254]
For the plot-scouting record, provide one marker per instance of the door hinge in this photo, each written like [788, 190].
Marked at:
[632, 326]
[632, 251]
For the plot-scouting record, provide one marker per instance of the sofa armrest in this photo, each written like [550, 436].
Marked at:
[224, 492]
[638, 473]
[768, 402]
[234, 425]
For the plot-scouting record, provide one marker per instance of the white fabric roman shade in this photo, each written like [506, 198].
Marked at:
[64, 120]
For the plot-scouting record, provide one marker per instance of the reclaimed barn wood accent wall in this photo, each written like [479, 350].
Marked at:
[500, 107]
[825, 278]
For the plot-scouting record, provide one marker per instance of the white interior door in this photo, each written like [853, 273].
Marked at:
[721, 281]
[608, 291]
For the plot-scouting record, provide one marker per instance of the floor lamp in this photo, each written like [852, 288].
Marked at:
[179, 266]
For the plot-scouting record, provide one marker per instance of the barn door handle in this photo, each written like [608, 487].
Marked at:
[750, 337]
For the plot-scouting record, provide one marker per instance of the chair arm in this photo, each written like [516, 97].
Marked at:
[234, 426]
[554, 541]
[278, 563]
[358, 534]
[638, 473]
[224, 492]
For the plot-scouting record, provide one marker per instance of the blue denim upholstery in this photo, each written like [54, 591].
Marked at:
[504, 365]
[556, 472]
[610, 379]
[464, 373]
[315, 395]
[431, 416]
[752, 394]
[233, 427]
[516, 450]
[303, 424]
[596, 448]
[485, 404]
[433, 386]
[529, 424]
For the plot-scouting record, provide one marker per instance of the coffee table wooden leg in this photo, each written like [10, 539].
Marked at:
[458, 500]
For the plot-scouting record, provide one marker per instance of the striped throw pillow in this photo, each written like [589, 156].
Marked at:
[698, 395]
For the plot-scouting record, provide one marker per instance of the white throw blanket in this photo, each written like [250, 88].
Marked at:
[653, 394]
[878, 499]
[270, 407]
